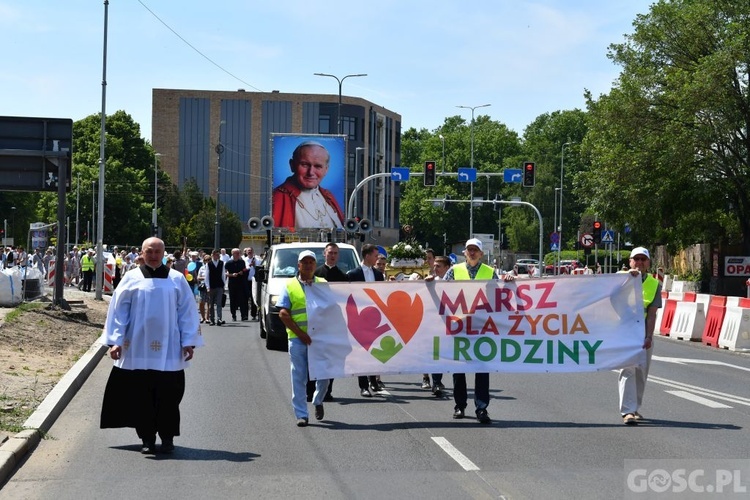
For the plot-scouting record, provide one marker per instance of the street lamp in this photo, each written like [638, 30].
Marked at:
[443, 141]
[471, 194]
[341, 81]
[13, 222]
[356, 173]
[156, 193]
[559, 225]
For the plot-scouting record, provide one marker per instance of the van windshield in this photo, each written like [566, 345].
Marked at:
[284, 264]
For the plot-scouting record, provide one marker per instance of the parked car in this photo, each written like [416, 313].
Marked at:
[280, 265]
[524, 265]
[566, 267]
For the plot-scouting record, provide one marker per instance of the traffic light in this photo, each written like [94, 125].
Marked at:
[597, 232]
[529, 174]
[429, 173]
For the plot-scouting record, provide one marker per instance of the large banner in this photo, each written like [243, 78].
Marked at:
[573, 324]
[309, 181]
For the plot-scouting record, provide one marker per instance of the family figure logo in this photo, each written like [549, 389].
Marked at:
[403, 315]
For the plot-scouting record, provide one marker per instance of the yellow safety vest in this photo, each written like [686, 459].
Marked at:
[650, 285]
[87, 263]
[298, 309]
[485, 272]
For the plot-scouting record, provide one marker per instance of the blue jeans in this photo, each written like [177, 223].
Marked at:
[481, 390]
[298, 362]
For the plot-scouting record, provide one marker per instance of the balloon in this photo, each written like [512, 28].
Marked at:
[382, 250]
[164, 260]
[189, 277]
[191, 267]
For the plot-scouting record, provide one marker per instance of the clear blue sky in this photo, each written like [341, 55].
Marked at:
[423, 58]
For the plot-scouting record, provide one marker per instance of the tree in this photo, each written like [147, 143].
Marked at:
[668, 147]
[493, 142]
[128, 197]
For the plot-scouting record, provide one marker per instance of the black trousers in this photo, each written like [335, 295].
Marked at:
[88, 279]
[364, 380]
[238, 297]
[481, 390]
[148, 400]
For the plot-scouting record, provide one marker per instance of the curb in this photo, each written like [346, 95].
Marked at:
[13, 451]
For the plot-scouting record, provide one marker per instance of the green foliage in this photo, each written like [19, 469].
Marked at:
[667, 149]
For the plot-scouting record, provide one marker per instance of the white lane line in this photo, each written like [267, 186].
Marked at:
[686, 361]
[731, 398]
[698, 399]
[456, 455]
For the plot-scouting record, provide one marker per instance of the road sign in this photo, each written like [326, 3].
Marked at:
[587, 240]
[554, 237]
[32, 150]
[400, 174]
[512, 175]
[467, 174]
[553, 247]
[608, 236]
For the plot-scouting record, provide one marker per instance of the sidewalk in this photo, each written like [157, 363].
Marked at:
[15, 447]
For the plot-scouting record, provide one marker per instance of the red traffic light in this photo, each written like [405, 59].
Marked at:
[597, 225]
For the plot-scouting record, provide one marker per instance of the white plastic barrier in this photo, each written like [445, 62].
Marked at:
[735, 330]
[659, 314]
[733, 301]
[676, 296]
[705, 299]
[689, 321]
[667, 285]
[677, 286]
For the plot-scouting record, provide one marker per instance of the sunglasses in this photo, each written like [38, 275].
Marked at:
[640, 257]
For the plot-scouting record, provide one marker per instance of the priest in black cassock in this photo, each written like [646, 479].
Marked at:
[152, 328]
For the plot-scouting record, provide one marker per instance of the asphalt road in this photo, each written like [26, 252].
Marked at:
[553, 436]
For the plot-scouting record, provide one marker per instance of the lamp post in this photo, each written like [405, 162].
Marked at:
[356, 173]
[341, 81]
[217, 223]
[13, 223]
[554, 224]
[156, 193]
[443, 141]
[559, 225]
[471, 194]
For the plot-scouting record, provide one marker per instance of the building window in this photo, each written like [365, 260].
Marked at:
[349, 127]
[324, 124]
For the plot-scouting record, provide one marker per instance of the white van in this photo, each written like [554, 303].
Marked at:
[280, 265]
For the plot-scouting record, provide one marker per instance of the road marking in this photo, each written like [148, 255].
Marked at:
[456, 455]
[698, 399]
[685, 361]
[700, 390]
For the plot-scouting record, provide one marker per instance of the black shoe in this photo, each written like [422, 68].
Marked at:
[426, 383]
[212, 323]
[458, 413]
[365, 393]
[220, 322]
[167, 446]
[328, 399]
[483, 417]
[380, 385]
[301, 422]
[245, 319]
[319, 412]
[234, 318]
[438, 389]
[148, 448]
[374, 388]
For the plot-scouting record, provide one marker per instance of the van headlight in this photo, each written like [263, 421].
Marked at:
[272, 300]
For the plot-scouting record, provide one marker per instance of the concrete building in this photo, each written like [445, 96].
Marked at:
[187, 126]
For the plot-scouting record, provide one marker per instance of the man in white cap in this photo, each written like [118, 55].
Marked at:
[473, 269]
[293, 313]
[632, 380]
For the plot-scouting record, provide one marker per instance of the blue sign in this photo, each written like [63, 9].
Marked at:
[400, 174]
[554, 237]
[467, 174]
[608, 236]
[512, 175]
[553, 247]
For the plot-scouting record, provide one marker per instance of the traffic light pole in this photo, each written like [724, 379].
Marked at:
[512, 203]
